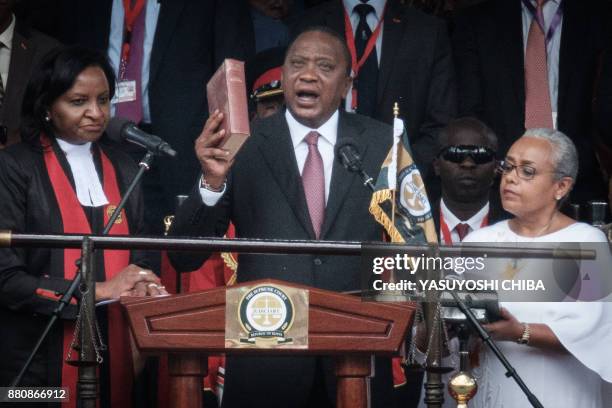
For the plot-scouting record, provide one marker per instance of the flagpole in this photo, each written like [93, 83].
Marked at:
[395, 116]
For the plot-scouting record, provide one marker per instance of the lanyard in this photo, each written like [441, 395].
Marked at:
[131, 13]
[350, 42]
[446, 234]
[554, 24]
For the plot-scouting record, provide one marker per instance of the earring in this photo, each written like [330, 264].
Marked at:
[47, 118]
[557, 198]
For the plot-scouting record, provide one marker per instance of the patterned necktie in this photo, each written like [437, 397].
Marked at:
[367, 80]
[538, 110]
[462, 230]
[313, 180]
[133, 71]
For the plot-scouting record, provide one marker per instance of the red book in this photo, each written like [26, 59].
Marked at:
[226, 91]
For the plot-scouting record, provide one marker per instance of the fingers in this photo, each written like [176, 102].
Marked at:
[505, 313]
[211, 135]
[145, 275]
[214, 153]
[213, 123]
[154, 289]
[140, 289]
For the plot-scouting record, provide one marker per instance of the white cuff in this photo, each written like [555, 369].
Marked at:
[209, 197]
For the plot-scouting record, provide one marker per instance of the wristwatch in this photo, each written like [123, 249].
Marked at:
[524, 339]
[204, 184]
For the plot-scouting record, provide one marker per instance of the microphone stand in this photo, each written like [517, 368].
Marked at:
[434, 395]
[145, 164]
[354, 166]
[484, 335]
[367, 179]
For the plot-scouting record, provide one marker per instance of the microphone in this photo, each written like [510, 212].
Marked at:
[123, 129]
[348, 154]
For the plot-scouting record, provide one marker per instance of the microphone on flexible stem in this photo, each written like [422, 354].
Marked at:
[119, 129]
[348, 154]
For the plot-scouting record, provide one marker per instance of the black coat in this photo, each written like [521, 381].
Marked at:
[265, 199]
[27, 50]
[28, 205]
[416, 71]
[191, 40]
[489, 58]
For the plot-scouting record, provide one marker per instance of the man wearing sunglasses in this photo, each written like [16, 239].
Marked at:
[466, 166]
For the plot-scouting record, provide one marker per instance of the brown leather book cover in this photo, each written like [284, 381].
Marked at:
[226, 91]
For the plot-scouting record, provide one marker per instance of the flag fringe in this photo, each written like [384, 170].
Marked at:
[382, 217]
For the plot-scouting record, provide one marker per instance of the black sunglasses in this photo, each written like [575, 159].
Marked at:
[458, 154]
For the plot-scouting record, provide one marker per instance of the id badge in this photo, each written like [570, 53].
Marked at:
[125, 92]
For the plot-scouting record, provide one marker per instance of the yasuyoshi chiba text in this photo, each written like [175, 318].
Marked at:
[518, 285]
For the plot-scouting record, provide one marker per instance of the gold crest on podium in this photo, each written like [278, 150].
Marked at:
[266, 316]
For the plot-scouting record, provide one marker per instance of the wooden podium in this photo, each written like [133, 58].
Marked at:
[190, 326]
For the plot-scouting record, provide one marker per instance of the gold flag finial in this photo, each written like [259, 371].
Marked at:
[395, 109]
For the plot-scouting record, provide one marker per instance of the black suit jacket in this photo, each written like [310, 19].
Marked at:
[191, 40]
[489, 58]
[265, 199]
[416, 71]
[27, 49]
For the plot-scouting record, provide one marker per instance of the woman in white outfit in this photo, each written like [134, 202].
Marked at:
[561, 350]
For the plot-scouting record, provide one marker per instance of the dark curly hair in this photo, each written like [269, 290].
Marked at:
[54, 75]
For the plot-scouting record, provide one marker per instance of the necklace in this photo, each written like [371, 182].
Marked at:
[521, 238]
[540, 232]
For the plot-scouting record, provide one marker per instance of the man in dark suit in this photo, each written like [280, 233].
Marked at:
[286, 183]
[466, 166]
[492, 51]
[410, 63]
[21, 50]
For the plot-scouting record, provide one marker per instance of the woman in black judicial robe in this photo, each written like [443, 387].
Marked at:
[68, 98]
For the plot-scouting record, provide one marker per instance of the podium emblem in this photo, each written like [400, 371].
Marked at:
[266, 317]
[266, 311]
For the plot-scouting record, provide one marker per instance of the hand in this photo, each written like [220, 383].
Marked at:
[123, 283]
[507, 329]
[213, 160]
[148, 289]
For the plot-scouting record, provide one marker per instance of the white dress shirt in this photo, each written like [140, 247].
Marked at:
[325, 144]
[5, 52]
[116, 40]
[552, 50]
[452, 221]
[89, 190]
[372, 19]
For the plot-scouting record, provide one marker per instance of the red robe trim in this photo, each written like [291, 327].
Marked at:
[75, 221]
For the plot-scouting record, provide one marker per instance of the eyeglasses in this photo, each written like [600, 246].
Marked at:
[524, 171]
[458, 154]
